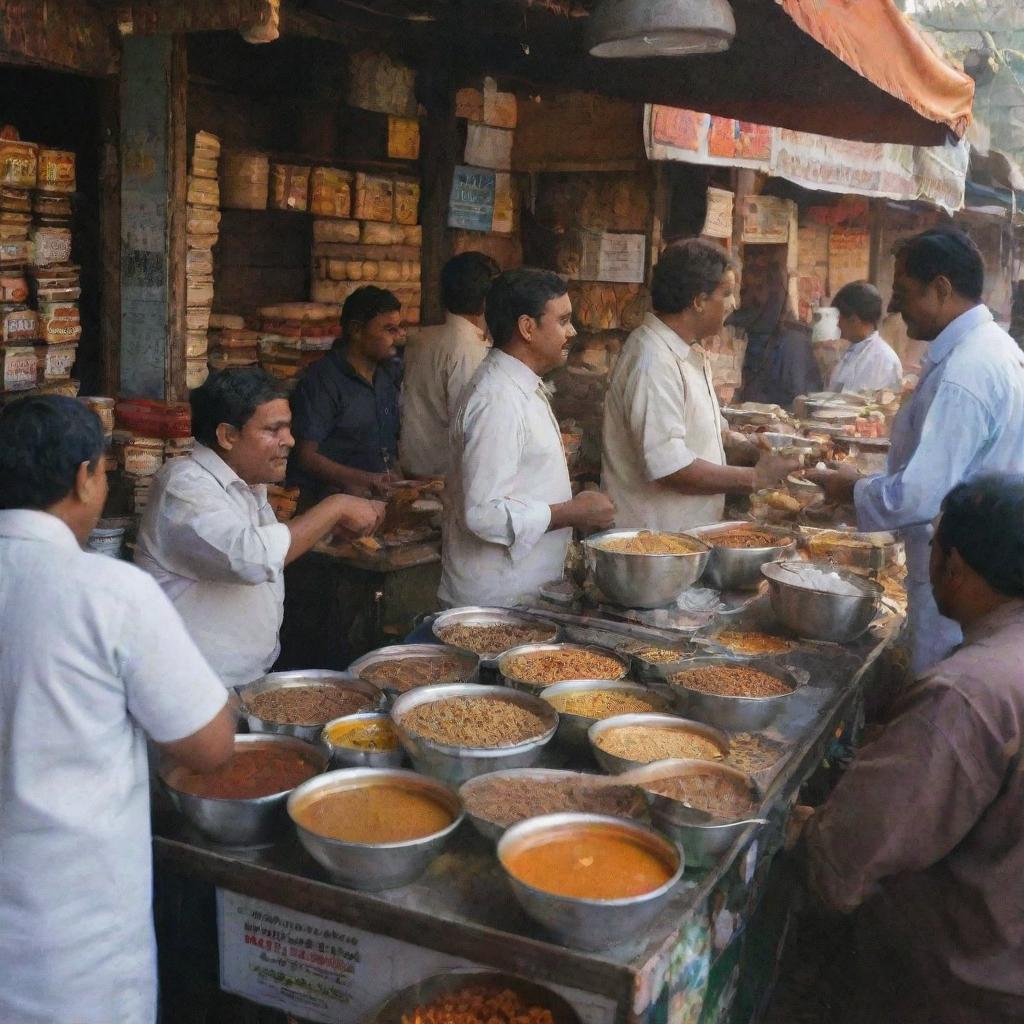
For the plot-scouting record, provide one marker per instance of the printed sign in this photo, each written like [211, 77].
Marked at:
[766, 220]
[331, 973]
[718, 220]
[471, 204]
[613, 257]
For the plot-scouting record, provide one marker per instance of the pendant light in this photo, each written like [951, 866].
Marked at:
[660, 28]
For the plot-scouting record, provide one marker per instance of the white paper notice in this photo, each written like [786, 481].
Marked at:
[617, 258]
[489, 147]
[331, 973]
[718, 220]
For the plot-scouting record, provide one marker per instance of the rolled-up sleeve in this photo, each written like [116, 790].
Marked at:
[952, 436]
[207, 539]
[655, 406]
[493, 437]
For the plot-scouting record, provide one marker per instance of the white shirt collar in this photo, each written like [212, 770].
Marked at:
[859, 346]
[522, 376]
[33, 524]
[459, 323]
[218, 468]
[680, 347]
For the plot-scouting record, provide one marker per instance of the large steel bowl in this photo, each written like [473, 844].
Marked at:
[589, 924]
[403, 1005]
[572, 729]
[734, 714]
[643, 581]
[469, 671]
[255, 822]
[350, 757]
[615, 765]
[702, 842]
[374, 866]
[472, 616]
[294, 680]
[740, 568]
[517, 683]
[456, 764]
[816, 615]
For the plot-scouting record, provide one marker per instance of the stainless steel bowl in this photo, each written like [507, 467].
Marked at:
[403, 1005]
[294, 680]
[589, 924]
[456, 764]
[643, 581]
[645, 669]
[572, 729]
[374, 866]
[779, 442]
[472, 616]
[740, 568]
[468, 673]
[255, 822]
[616, 765]
[815, 615]
[738, 714]
[488, 829]
[516, 683]
[349, 757]
[702, 842]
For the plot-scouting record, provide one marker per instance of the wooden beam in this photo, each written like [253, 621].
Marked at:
[64, 35]
[177, 238]
[435, 88]
[170, 17]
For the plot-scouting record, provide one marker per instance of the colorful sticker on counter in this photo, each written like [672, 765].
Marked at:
[328, 972]
[471, 205]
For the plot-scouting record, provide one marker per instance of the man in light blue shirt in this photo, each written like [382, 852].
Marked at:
[965, 419]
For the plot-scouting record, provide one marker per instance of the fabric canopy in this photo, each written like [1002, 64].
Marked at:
[852, 69]
[874, 39]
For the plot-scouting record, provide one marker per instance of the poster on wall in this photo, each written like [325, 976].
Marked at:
[471, 204]
[403, 138]
[718, 220]
[849, 256]
[739, 140]
[681, 129]
[613, 257]
[504, 204]
[766, 220]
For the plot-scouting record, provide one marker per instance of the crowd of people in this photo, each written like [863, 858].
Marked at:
[97, 655]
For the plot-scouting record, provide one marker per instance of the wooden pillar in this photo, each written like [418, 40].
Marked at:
[153, 84]
[440, 152]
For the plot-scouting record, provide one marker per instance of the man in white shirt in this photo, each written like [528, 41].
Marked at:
[93, 659]
[440, 361]
[510, 510]
[209, 536]
[870, 363]
[663, 455]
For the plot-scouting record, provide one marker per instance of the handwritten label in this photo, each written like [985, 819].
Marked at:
[471, 204]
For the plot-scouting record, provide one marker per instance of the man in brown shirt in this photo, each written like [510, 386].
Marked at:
[924, 835]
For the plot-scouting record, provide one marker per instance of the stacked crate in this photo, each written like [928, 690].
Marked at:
[203, 229]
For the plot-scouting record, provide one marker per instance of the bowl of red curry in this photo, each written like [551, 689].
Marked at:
[242, 803]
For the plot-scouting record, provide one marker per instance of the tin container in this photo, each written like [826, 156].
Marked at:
[143, 456]
[104, 409]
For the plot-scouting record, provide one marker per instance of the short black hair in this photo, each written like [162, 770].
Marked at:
[364, 304]
[947, 252]
[685, 270]
[43, 441]
[230, 396]
[465, 281]
[984, 521]
[860, 299]
[516, 293]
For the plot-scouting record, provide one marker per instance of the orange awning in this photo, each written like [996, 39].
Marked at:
[852, 69]
[878, 42]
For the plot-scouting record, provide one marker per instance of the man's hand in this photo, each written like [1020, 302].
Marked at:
[838, 484]
[740, 450]
[380, 485]
[592, 510]
[798, 818]
[357, 517]
[772, 468]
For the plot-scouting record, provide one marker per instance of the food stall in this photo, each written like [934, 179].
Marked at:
[288, 933]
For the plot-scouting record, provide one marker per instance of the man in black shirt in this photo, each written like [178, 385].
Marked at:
[346, 415]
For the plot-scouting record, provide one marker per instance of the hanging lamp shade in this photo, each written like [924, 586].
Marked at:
[660, 28]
